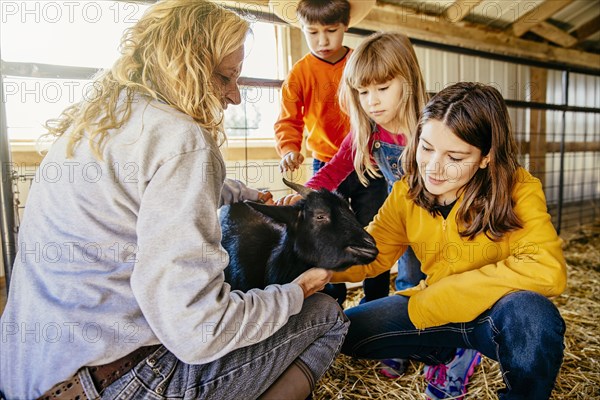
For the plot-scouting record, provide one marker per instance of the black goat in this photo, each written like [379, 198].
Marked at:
[274, 244]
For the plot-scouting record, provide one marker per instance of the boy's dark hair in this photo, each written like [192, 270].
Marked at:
[324, 12]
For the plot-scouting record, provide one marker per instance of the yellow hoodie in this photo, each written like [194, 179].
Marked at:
[465, 277]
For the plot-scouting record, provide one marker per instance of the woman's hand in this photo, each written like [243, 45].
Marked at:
[288, 200]
[291, 161]
[313, 280]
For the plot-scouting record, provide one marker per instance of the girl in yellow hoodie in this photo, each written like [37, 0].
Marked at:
[478, 223]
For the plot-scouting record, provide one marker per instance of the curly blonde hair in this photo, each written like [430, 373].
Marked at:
[170, 55]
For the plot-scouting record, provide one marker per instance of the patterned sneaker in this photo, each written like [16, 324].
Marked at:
[450, 380]
[393, 368]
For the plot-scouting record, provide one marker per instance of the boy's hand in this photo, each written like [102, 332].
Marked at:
[288, 200]
[291, 161]
[265, 197]
[313, 280]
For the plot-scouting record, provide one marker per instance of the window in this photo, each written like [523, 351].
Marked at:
[30, 102]
[254, 118]
[77, 38]
[82, 36]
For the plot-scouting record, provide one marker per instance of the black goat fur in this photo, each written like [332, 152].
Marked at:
[270, 244]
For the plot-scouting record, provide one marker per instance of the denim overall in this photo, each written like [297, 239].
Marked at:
[387, 157]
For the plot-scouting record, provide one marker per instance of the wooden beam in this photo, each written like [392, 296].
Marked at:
[458, 10]
[539, 14]
[266, 152]
[570, 147]
[388, 17]
[537, 124]
[417, 25]
[49, 71]
[25, 156]
[296, 40]
[554, 34]
[588, 29]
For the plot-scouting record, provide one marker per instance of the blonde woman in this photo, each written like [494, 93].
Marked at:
[118, 286]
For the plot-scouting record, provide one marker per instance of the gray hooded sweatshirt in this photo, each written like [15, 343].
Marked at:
[125, 252]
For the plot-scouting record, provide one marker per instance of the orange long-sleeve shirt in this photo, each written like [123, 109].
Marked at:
[309, 100]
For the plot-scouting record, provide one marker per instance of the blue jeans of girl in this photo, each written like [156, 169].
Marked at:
[387, 157]
[314, 336]
[523, 331]
[365, 202]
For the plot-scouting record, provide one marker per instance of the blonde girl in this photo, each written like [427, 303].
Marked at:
[383, 92]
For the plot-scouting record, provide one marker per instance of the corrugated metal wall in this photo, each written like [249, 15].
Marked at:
[580, 170]
[580, 182]
[573, 175]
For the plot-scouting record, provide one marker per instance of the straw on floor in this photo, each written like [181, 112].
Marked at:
[579, 377]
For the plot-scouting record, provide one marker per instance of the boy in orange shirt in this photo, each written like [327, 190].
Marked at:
[310, 101]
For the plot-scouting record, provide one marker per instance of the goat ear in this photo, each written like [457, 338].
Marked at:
[283, 214]
[301, 190]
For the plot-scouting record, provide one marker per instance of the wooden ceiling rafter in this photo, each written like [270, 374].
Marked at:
[536, 21]
[458, 10]
[554, 34]
[537, 15]
[587, 29]
[434, 28]
[442, 29]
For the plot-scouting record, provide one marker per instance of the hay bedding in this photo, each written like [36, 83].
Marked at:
[579, 376]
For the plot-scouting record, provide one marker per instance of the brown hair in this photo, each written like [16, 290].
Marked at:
[170, 55]
[379, 58]
[324, 12]
[476, 114]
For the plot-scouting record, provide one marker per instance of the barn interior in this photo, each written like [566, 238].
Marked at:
[543, 56]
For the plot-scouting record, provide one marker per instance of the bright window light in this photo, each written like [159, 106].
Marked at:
[75, 33]
[87, 34]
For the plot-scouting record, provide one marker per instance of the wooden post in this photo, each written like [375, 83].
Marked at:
[537, 124]
[296, 39]
[8, 230]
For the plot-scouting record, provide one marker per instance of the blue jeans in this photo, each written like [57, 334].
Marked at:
[365, 202]
[523, 331]
[314, 336]
[387, 157]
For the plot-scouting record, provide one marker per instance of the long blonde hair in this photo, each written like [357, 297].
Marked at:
[169, 55]
[381, 57]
